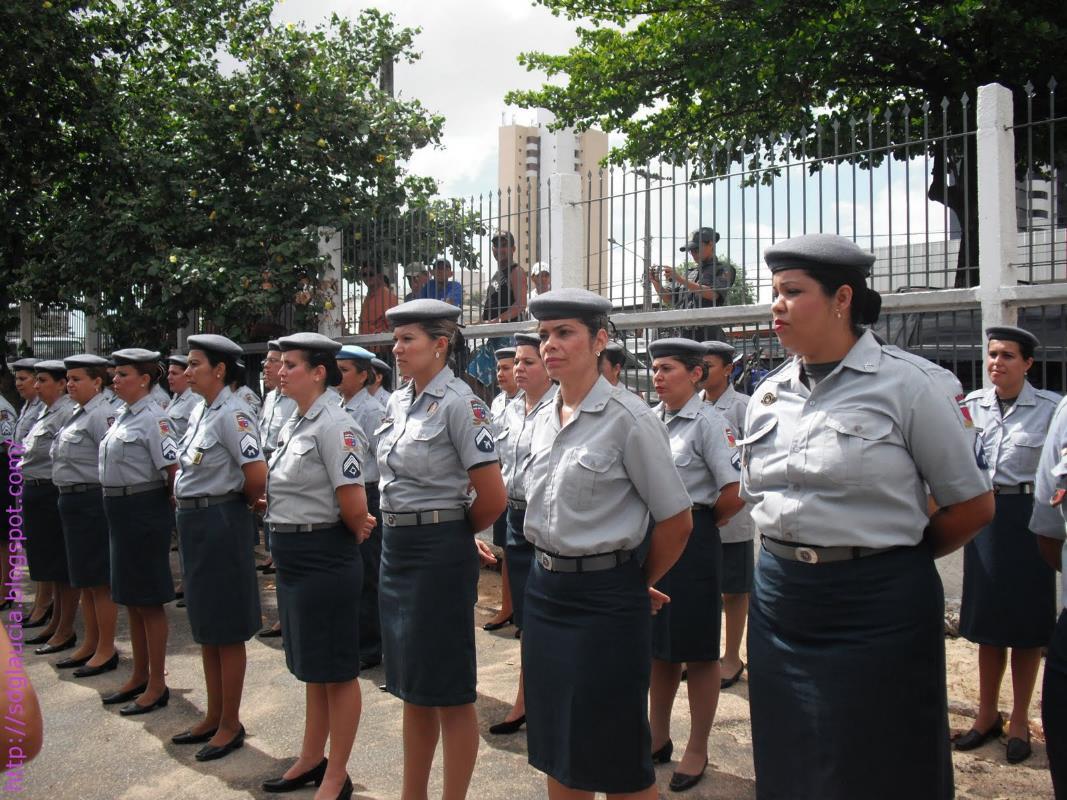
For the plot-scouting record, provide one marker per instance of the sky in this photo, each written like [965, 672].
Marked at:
[469, 61]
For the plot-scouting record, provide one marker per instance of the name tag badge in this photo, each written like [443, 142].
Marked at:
[198, 456]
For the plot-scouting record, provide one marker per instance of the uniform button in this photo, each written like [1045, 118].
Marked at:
[811, 402]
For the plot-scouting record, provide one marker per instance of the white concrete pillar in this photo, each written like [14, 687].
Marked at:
[997, 222]
[565, 246]
[331, 321]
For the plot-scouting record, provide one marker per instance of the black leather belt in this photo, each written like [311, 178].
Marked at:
[405, 519]
[594, 563]
[38, 482]
[307, 528]
[518, 505]
[137, 488]
[78, 488]
[1018, 488]
[204, 502]
[816, 555]
[701, 507]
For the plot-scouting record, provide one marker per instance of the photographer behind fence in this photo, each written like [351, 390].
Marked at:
[703, 284]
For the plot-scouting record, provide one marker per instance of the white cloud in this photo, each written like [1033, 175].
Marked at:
[469, 61]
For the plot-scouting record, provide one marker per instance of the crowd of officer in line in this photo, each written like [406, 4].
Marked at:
[627, 532]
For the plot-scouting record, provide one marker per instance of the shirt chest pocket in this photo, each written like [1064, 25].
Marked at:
[206, 450]
[299, 464]
[416, 448]
[847, 450]
[589, 473]
[77, 445]
[1024, 452]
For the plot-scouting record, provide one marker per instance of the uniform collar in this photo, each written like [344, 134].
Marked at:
[320, 403]
[96, 400]
[221, 398]
[689, 411]
[358, 399]
[548, 397]
[64, 401]
[1027, 397]
[724, 399]
[436, 387]
[597, 398]
[865, 356]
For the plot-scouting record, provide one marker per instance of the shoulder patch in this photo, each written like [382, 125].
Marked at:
[480, 412]
[244, 423]
[249, 446]
[348, 439]
[966, 413]
[730, 440]
[164, 428]
[483, 440]
[350, 466]
[168, 448]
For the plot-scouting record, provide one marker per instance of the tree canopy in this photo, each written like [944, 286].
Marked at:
[682, 79]
[174, 156]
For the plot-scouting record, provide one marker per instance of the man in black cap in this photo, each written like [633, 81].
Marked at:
[703, 284]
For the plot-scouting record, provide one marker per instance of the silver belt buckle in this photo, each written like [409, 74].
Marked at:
[807, 555]
[435, 517]
[390, 519]
[546, 561]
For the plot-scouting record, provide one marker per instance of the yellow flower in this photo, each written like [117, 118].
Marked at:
[212, 216]
[46, 4]
[321, 142]
[379, 158]
[173, 259]
[272, 110]
[193, 193]
[233, 107]
[296, 106]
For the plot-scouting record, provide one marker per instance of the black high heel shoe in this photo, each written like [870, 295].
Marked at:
[508, 727]
[663, 755]
[681, 782]
[211, 752]
[134, 708]
[283, 784]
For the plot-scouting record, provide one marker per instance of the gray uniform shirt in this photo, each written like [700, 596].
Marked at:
[516, 435]
[368, 414]
[221, 439]
[139, 446]
[179, 410]
[1050, 487]
[249, 399]
[76, 450]
[8, 419]
[37, 460]
[1011, 445]
[845, 463]
[704, 449]
[276, 411]
[27, 416]
[383, 397]
[321, 451]
[112, 399]
[732, 404]
[498, 409]
[591, 484]
[160, 395]
[427, 444]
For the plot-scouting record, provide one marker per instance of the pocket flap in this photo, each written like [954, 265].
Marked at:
[302, 446]
[1024, 439]
[860, 424]
[595, 461]
[424, 431]
[759, 432]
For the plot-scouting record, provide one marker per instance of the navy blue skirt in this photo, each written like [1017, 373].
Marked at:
[688, 627]
[1009, 591]
[320, 577]
[520, 557]
[738, 567]
[429, 585]
[219, 573]
[370, 549]
[847, 679]
[1054, 707]
[140, 527]
[85, 534]
[45, 549]
[587, 657]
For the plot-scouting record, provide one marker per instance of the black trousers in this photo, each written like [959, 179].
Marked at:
[370, 624]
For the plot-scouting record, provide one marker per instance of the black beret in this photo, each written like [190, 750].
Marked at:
[504, 352]
[52, 366]
[24, 364]
[826, 252]
[530, 339]
[676, 346]
[422, 310]
[700, 236]
[567, 304]
[1010, 333]
[84, 360]
[134, 355]
[215, 343]
[309, 341]
[716, 348]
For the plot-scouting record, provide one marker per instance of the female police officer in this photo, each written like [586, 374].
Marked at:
[846, 642]
[44, 531]
[505, 379]
[599, 464]
[513, 444]
[137, 460]
[434, 443]
[687, 629]
[317, 513]
[1009, 592]
[220, 475]
[76, 474]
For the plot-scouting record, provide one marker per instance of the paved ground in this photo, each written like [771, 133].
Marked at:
[92, 753]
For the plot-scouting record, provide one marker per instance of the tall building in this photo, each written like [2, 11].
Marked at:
[529, 156]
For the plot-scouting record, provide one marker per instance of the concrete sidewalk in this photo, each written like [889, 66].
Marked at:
[92, 753]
